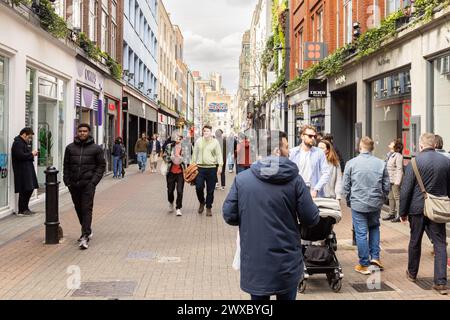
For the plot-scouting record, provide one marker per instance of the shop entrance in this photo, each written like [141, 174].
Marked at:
[343, 119]
[133, 135]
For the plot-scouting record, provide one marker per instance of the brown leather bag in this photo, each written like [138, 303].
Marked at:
[190, 174]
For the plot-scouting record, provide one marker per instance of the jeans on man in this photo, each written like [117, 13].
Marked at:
[290, 295]
[24, 200]
[208, 176]
[83, 200]
[142, 160]
[178, 180]
[117, 166]
[367, 232]
[437, 234]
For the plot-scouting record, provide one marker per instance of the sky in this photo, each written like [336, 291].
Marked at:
[212, 31]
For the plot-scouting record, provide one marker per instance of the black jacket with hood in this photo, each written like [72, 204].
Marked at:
[84, 163]
[266, 202]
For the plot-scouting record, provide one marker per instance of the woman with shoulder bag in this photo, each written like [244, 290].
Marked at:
[173, 156]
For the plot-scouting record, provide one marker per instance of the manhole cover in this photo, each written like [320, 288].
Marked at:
[106, 289]
[425, 283]
[364, 287]
[396, 251]
[142, 255]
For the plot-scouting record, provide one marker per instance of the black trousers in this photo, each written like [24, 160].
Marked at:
[222, 176]
[24, 200]
[178, 181]
[83, 200]
[437, 234]
[208, 176]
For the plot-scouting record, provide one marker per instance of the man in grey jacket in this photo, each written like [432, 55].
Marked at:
[366, 186]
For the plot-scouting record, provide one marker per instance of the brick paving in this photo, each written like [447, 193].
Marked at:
[153, 254]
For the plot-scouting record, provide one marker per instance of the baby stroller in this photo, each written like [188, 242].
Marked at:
[319, 245]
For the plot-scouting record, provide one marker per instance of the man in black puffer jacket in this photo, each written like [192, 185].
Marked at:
[84, 166]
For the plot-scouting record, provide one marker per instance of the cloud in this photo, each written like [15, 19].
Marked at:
[240, 3]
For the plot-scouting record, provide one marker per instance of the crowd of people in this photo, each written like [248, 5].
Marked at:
[274, 189]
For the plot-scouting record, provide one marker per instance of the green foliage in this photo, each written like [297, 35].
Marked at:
[274, 88]
[268, 53]
[51, 22]
[19, 2]
[45, 145]
[368, 43]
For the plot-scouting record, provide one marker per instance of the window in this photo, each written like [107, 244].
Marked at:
[113, 11]
[312, 24]
[104, 30]
[58, 5]
[392, 6]
[4, 146]
[348, 21]
[300, 50]
[93, 20]
[441, 98]
[113, 40]
[76, 14]
[319, 28]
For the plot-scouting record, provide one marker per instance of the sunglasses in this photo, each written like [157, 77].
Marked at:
[311, 136]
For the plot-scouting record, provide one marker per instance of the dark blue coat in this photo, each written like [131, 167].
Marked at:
[158, 146]
[266, 202]
[435, 172]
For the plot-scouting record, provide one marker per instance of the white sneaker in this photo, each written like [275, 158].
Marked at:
[230, 171]
[179, 214]
[223, 188]
[84, 243]
[171, 207]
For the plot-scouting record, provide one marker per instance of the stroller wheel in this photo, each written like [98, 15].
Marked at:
[302, 286]
[336, 285]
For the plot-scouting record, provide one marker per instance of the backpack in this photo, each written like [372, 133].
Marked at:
[436, 208]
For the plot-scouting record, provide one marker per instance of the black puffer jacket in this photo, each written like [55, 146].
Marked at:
[435, 173]
[84, 163]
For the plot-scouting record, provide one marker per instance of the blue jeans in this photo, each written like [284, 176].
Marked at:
[117, 166]
[367, 232]
[142, 160]
[290, 295]
[208, 175]
[230, 161]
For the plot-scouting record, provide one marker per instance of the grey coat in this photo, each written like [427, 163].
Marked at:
[333, 189]
[395, 168]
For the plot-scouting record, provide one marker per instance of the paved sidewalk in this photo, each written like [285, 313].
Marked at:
[141, 251]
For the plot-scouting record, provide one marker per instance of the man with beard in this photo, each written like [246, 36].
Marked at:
[311, 162]
[84, 166]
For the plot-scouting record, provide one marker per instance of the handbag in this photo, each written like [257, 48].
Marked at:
[190, 174]
[164, 168]
[436, 208]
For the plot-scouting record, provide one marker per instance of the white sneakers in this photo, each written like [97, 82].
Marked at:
[179, 214]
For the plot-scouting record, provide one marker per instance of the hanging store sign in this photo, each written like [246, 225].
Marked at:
[218, 107]
[317, 88]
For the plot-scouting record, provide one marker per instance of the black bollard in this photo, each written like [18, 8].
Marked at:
[51, 206]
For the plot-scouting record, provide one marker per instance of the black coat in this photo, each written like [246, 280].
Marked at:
[158, 146]
[435, 172]
[25, 179]
[266, 202]
[84, 163]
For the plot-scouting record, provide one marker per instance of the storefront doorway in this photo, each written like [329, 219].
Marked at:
[343, 119]
[4, 140]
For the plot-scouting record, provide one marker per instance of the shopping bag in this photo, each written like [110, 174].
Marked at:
[164, 168]
[237, 256]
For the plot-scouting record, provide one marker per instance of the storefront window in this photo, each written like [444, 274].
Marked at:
[317, 111]
[299, 122]
[441, 105]
[3, 133]
[45, 114]
[391, 112]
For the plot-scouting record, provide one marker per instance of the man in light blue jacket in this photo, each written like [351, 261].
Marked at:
[311, 162]
[366, 186]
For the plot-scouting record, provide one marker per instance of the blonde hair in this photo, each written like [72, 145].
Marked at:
[367, 144]
[427, 140]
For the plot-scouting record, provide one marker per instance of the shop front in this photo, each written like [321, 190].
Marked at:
[45, 114]
[111, 118]
[4, 139]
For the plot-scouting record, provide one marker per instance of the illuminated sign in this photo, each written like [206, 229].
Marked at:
[218, 107]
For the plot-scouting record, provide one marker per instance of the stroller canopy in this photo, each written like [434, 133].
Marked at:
[329, 208]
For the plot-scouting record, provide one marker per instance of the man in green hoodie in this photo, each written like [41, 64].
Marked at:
[208, 156]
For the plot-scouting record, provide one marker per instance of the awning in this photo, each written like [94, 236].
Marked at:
[166, 111]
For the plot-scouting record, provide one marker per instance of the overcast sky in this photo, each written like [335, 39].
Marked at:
[212, 31]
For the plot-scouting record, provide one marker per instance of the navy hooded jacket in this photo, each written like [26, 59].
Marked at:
[266, 202]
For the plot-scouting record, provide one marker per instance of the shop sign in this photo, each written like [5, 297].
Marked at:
[340, 80]
[111, 107]
[218, 107]
[317, 88]
[3, 165]
[89, 76]
[406, 109]
[162, 119]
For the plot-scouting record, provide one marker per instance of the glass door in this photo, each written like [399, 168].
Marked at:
[3, 133]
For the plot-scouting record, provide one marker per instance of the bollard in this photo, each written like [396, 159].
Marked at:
[51, 206]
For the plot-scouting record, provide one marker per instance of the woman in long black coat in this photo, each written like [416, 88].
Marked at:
[25, 179]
